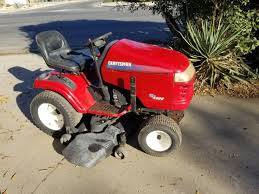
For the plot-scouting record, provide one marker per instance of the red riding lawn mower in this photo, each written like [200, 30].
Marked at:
[94, 94]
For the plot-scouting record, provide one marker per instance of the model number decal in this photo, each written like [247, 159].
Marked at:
[154, 97]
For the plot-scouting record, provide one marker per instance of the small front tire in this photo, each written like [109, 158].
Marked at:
[160, 136]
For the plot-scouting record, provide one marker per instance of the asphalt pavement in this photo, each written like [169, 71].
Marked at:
[78, 21]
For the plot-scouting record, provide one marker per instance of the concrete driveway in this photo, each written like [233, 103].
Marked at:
[219, 154]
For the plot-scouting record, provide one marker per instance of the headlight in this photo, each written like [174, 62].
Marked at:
[185, 76]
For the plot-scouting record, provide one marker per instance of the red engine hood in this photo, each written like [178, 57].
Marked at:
[149, 57]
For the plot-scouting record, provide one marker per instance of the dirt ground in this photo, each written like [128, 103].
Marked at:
[219, 154]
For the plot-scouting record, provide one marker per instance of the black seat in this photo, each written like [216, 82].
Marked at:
[57, 53]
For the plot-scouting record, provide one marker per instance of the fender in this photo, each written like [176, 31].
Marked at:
[74, 88]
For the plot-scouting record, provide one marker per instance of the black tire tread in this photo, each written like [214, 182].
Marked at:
[165, 121]
[74, 117]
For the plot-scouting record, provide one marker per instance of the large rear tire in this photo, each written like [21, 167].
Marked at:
[52, 113]
[160, 136]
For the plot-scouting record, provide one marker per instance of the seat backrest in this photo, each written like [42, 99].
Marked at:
[51, 42]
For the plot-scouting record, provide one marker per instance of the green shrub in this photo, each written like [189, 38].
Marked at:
[246, 21]
[242, 15]
[213, 47]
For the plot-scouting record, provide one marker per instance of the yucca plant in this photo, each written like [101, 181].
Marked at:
[212, 47]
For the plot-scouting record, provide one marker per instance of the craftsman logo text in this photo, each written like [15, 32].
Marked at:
[120, 64]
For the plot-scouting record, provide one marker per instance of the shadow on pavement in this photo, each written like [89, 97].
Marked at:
[223, 143]
[58, 147]
[77, 32]
[27, 77]
[24, 99]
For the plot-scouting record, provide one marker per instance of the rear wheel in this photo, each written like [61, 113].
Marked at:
[159, 136]
[52, 113]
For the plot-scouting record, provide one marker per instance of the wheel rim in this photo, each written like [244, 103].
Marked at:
[158, 141]
[50, 116]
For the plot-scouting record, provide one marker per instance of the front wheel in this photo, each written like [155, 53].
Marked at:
[159, 136]
[52, 113]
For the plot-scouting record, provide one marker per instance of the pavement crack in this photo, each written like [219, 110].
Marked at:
[47, 176]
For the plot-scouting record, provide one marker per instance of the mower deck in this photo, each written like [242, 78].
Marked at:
[90, 148]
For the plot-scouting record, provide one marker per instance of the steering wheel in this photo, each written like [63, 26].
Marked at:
[100, 41]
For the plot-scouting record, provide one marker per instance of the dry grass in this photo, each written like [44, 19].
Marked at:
[241, 90]
[3, 99]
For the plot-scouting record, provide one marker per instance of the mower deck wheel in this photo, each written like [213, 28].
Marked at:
[159, 136]
[52, 113]
[120, 152]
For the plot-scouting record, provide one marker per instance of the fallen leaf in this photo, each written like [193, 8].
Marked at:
[3, 99]
[12, 177]
[5, 173]
[3, 157]
[43, 169]
[4, 191]
[22, 125]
